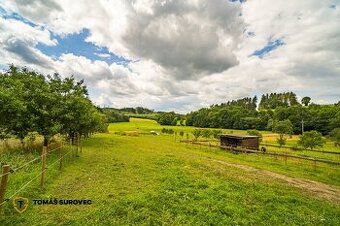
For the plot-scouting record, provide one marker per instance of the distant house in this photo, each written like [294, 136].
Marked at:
[240, 141]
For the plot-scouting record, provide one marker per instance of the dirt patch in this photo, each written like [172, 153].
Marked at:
[318, 189]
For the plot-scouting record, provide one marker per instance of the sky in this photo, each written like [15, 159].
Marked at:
[178, 55]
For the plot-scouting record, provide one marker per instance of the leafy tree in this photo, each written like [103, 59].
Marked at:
[206, 133]
[217, 133]
[305, 101]
[311, 139]
[283, 128]
[197, 133]
[255, 132]
[15, 117]
[31, 102]
[169, 118]
[335, 136]
[335, 121]
[114, 115]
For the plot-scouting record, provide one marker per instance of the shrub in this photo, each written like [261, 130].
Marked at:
[311, 139]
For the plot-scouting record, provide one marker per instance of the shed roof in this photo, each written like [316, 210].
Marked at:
[238, 136]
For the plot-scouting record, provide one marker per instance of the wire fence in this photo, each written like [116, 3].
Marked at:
[33, 178]
[285, 156]
[41, 174]
[28, 163]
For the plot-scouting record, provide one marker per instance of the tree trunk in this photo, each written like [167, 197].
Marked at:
[46, 141]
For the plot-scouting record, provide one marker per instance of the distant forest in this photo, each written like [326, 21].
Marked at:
[124, 114]
[273, 107]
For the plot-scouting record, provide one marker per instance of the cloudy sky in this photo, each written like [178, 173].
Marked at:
[178, 55]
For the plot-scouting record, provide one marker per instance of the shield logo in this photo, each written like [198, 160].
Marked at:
[20, 204]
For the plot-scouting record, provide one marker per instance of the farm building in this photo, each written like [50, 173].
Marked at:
[241, 141]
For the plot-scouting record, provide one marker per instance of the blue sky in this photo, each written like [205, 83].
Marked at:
[76, 44]
[271, 46]
[72, 43]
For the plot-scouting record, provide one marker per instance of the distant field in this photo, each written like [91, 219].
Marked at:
[135, 178]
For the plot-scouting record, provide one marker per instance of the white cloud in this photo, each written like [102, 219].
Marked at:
[186, 54]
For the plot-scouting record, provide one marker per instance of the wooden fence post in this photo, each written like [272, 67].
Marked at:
[61, 155]
[43, 166]
[78, 145]
[72, 148]
[3, 185]
[81, 146]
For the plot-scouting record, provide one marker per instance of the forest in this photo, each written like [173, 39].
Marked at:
[273, 107]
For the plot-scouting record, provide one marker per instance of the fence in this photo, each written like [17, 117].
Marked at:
[302, 149]
[7, 171]
[285, 156]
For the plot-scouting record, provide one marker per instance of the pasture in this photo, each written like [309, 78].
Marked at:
[135, 178]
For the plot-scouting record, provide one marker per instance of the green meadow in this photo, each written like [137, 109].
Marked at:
[135, 178]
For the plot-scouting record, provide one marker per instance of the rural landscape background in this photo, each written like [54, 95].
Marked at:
[116, 112]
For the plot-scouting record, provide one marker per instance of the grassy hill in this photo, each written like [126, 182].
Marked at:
[135, 178]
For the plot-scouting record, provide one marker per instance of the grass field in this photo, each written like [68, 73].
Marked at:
[143, 179]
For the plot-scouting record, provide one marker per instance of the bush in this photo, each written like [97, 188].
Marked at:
[217, 133]
[164, 130]
[197, 133]
[335, 136]
[254, 132]
[206, 133]
[311, 139]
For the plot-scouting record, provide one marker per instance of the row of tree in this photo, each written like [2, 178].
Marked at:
[275, 100]
[49, 105]
[243, 114]
[170, 118]
[114, 115]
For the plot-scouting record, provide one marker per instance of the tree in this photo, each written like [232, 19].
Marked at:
[19, 99]
[255, 132]
[305, 101]
[169, 118]
[217, 133]
[335, 136]
[311, 139]
[197, 133]
[31, 102]
[206, 133]
[283, 128]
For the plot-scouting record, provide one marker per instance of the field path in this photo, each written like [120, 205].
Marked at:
[319, 189]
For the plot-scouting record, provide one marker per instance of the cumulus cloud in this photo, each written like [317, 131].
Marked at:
[189, 39]
[185, 54]
[18, 41]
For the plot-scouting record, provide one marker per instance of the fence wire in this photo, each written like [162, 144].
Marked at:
[33, 178]
[28, 163]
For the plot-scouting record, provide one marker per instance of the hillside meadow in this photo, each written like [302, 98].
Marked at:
[135, 178]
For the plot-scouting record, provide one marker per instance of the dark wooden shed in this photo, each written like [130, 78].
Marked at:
[240, 141]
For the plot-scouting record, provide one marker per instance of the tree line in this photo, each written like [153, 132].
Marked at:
[48, 105]
[244, 114]
[114, 115]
